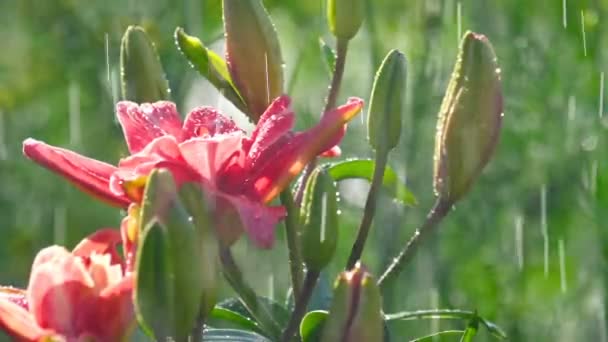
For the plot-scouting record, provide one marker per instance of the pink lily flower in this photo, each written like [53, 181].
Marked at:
[243, 173]
[84, 295]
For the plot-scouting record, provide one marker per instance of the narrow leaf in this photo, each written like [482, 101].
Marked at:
[223, 335]
[210, 65]
[220, 316]
[329, 56]
[364, 169]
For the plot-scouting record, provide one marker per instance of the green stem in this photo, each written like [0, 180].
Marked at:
[330, 103]
[293, 246]
[336, 80]
[434, 217]
[369, 211]
[301, 304]
[247, 295]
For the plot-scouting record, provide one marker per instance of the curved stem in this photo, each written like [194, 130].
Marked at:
[437, 213]
[336, 80]
[369, 211]
[301, 304]
[330, 103]
[291, 232]
[247, 296]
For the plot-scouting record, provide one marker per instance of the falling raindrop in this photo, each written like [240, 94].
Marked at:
[271, 286]
[583, 33]
[74, 113]
[564, 14]
[107, 49]
[59, 224]
[434, 303]
[519, 241]
[459, 20]
[601, 106]
[571, 107]
[323, 215]
[562, 265]
[543, 227]
[3, 149]
[593, 178]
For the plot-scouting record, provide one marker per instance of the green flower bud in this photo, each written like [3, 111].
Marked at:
[355, 314]
[387, 103]
[319, 220]
[142, 75]
[345, 17]
[169, 294]
[469, 119]
[253, 54]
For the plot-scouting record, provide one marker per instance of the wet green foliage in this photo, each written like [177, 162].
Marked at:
[59, 80]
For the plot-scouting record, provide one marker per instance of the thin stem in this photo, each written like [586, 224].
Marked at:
[330, 103]
[336, 80]
[293, 246]
[301, 304]
[434, 217]
[197, 332]
[247, 295]
[369, 211]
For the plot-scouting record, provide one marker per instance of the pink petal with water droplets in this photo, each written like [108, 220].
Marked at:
[14, 295]
[143, 123]
[206, 121]
[285, 159]
[274, 124]
[88, 174]
[212, 156]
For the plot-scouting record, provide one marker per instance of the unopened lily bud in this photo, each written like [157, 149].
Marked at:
[253, 54]
[319, 220]
[168, 291]
[387, 103]
[355, 314]
[345, 17]
[469, 119]
[142, 75]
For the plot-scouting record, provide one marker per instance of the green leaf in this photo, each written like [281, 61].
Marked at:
[234, 335]
[448, 314]
[360, 168]
[168, 293]
[329, 56]
[279, 313]
[311, 326]
[433, 337]
[209, 65]
[142, 75]
[221, 315]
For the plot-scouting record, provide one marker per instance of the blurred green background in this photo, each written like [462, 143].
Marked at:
[59, 80]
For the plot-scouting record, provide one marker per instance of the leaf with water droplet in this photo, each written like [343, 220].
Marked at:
[209, 65]
[364, 169]
[329, 56]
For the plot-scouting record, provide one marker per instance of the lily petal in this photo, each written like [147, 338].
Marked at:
[14, 295]
[207, 121]
[285, 159]
[274, 124]
[59, 283]
[19, 323]
[103, 241]
[143, 123]
[257, 220]
[88, 174]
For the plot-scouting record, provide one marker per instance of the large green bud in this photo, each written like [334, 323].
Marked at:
[345, 17]
[469, 119]
[142, 75]
[387, 103]
[319, 220]
[253, 54]
[355, 314]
